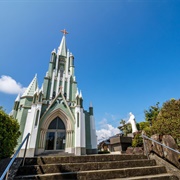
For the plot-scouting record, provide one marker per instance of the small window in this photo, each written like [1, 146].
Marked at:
[77, 119]
[37, 117]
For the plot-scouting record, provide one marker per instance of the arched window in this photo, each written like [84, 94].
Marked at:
[56, 135]
[57, 123]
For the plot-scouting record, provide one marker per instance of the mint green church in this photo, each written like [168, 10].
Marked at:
[54, 114]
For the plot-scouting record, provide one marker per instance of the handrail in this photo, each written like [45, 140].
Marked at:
[144, 136]
[12, 160]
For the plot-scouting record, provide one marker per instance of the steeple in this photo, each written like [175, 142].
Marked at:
[77, 93]
[90, 105]
[18, 98]
[80, 95]
[31, 88]
[62, 50]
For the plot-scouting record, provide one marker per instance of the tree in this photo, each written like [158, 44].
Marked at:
[125, 128]
[9, 133]
[152, 113]
[142, 125]
[168, 120]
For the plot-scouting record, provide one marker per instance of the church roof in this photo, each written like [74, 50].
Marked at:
[31, 88]
[62, 47]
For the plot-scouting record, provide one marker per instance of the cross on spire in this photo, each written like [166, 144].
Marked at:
[64, 31]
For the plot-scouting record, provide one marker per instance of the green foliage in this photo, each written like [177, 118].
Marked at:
[125, 128]
[148, 131]
[168, 120]
[137, 141]
[9, 133]
[152, 113]
[142, 125]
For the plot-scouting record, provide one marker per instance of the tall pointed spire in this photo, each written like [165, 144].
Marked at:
[77, 93]
[62, 47]
[90, 105]
[31, 88]
[80, 95]
[17, 98]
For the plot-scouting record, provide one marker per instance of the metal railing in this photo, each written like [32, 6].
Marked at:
[6, 171]
[145, 137]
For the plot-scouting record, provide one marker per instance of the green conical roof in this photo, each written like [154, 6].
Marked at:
[31, 88]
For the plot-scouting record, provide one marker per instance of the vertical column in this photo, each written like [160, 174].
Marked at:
[68, 87]
[40, 139]
[57, 61]
[44, 139]
[52, 85]
[57, 84]
[63, 82]
[67, 64]
[67, 139]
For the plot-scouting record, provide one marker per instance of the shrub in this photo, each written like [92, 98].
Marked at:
[137, 141]
[9, 133]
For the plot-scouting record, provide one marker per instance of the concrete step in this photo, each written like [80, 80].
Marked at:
[165, 176]
[55, 153]
[99, 174]
[79, 159]
[75, 167]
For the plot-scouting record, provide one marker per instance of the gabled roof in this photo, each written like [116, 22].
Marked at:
[31, 88]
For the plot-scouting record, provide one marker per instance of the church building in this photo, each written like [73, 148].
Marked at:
[53, 114]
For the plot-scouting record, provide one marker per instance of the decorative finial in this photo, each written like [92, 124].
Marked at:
[64, 31]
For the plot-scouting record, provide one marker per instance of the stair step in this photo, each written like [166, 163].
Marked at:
[99, 174]
[164, 176]
[56, 153]
[79, 159]
[74, 167]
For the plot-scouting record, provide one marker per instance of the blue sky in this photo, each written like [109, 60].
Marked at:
[127, 54]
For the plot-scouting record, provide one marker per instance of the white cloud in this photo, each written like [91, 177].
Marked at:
[10, 86]
[106, 131]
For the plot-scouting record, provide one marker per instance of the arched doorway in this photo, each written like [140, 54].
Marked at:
[56, 135]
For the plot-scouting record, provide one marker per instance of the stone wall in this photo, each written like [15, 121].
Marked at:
[161, 151]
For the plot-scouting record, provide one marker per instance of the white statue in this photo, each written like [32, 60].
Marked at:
[132, 122]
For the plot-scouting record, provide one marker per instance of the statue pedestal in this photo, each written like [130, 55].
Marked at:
[120, 143]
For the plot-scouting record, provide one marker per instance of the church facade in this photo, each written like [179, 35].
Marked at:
[54, 114]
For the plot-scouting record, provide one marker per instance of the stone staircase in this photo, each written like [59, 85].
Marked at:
[132, 167]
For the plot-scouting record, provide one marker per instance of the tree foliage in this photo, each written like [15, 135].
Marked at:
[152, 113]
[168, 120]
[125, 128]
[9, 133]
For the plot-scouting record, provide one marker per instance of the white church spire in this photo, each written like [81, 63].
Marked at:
[80, 95]
[77, 93]
[18, 98]
[90, 105]
[62, 48]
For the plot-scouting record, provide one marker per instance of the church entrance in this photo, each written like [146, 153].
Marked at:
[56, 135]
